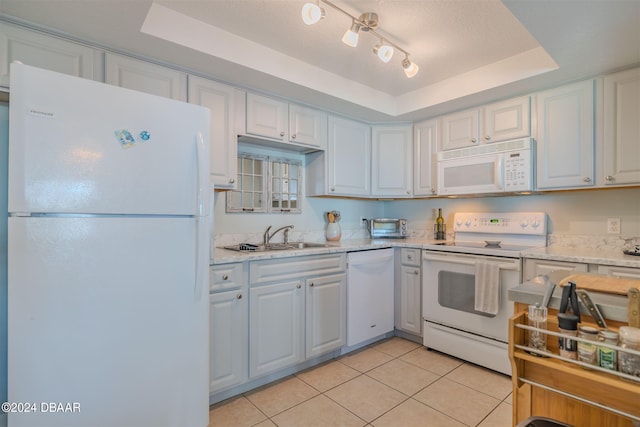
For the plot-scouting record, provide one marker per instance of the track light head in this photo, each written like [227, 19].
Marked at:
[350, 37]
[410, 68]
[384, 52]
[312, 13]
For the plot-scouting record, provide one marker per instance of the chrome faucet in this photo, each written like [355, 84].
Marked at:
[267, 237]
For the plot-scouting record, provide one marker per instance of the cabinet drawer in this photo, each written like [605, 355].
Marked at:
[623, 272]
[410, 256]
[277, 270]
[225, 277]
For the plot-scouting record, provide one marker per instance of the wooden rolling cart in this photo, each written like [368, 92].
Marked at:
[565, 390]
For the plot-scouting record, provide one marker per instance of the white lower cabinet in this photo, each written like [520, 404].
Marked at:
[228, 328]
[326, 314]
[275, 327]
[297, 310]
[408, 291]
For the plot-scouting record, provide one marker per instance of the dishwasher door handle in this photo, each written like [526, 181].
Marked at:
[371, 260]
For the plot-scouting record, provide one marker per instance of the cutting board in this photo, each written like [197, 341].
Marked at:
[601, 283]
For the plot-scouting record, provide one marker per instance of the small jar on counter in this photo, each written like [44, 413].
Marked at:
[587, 352]
[568, 325]
[607, 356]
[629, 363]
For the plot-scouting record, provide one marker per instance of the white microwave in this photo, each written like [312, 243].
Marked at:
[501, 167]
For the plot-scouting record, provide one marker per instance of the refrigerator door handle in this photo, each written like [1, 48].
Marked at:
[201, 248]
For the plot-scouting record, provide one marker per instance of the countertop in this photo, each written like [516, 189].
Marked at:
[584, 255]
[225, 256]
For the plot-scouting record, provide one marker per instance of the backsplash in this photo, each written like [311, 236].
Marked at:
[598, 242]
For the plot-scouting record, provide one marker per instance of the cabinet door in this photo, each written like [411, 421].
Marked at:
[266, 117]
[622, 272]
[536, 267]
[307, 126]
[425, 172]
[507, 120]
[409, 292]
[391, 161]
[228, 335]
[145, 77]
[275, 327]
[621, 156]
[565, 137]
[349, 158]
[38, 50]
[326, 314]
[220, 99]
[459, 130]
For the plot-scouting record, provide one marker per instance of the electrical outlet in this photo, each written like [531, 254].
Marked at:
[613, 225]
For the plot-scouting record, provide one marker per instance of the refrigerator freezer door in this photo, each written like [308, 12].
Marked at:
[103, 314]
[78, 146]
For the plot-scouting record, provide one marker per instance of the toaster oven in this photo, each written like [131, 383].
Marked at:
[389, 228]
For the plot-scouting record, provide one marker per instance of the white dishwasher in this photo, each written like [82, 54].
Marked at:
[369, 294]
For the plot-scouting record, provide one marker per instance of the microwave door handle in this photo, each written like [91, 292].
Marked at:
[500, 173]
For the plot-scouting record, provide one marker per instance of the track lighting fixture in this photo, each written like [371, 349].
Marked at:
[312, 13]
[368, 21]
[410, 68]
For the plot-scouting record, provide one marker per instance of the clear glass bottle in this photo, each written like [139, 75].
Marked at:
[538, 319]
[629, 363]
[568, 325]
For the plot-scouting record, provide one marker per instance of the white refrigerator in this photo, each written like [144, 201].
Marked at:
[108, 255]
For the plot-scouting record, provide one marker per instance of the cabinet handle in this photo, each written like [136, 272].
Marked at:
[410, 257]
[232, 180]
[311, 284]
[225, 277]
[609, 178]
[586, 179]
[473, 140]
[487, 138]
[239, 296]
[408, 192]
[416, 272]
[281, 133]
[292, 136]
[433, 191]
[333, 188]
[299, 285]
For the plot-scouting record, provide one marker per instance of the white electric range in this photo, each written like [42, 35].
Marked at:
[465, 284]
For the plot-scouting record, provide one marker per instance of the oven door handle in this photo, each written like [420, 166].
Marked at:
[467, 261]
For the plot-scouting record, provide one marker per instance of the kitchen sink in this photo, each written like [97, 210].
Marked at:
[248, 248]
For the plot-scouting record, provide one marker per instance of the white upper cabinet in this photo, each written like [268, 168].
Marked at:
[425, 137]
[349, 157]
[506, 120]
[495, 122]
[565, 137]
[145, 77]
[307, 126]
[294, 126]
[266, 117]
[391, 161]
[460, 129]
[621, 145]
[38, 50]
[220, 99]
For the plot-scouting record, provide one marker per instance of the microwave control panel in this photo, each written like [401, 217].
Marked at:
[518, 175]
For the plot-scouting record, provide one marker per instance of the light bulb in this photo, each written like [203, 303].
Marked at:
[350, 37]
[410, 68]
[312, 13]
[384, 52]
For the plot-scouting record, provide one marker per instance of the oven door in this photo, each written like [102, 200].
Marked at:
[448, 290]
[471, 175]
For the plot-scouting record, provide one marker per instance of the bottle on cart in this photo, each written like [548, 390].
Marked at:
[568, 326]
[440, 230]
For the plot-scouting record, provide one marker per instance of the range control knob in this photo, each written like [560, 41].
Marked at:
[467, 222]
[459, 222]
[524, 223]
[535, 223]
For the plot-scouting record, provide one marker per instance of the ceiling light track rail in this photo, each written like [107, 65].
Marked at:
[368, 21]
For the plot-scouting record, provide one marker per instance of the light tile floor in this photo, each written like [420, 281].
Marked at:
[391, 383]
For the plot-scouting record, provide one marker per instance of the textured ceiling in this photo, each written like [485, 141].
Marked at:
[469, 51]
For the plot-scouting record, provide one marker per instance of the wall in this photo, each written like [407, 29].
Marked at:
[4, 153]
[570, 212]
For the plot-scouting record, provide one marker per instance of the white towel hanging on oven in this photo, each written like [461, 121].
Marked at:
[487, 287]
